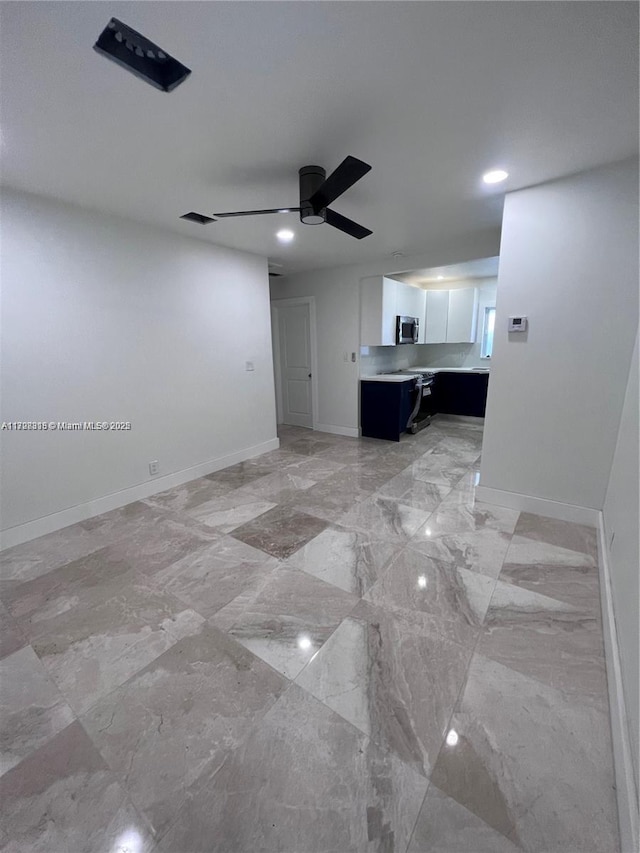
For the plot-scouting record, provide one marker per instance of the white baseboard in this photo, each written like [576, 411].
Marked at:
[57, 520]
[539, 506]
[351, 432]
[626, 794]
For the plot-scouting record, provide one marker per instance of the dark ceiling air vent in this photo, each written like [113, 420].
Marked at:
[142, 57]
[197, 217]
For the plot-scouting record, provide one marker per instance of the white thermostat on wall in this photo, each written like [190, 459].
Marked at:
[517, 324]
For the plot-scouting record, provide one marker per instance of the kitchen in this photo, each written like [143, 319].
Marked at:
[426, 339]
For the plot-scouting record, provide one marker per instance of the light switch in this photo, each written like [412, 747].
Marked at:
[248, 365]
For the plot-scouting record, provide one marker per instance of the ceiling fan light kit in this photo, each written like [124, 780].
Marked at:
[316, 194]
[311, 179]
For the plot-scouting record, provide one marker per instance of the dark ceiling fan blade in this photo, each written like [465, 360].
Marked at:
[347, 225]
[257, 212]
[348, 172]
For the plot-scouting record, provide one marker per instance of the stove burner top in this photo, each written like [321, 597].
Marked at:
[425, 374]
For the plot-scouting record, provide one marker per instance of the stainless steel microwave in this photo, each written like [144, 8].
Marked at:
[407, 330]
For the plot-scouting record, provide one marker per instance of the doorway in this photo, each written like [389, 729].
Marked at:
[293, 324]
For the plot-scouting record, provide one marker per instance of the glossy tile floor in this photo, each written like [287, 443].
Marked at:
[330, 648]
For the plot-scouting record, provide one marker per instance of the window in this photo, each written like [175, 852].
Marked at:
[487, 332]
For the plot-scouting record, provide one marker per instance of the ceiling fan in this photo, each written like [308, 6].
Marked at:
[316, 194]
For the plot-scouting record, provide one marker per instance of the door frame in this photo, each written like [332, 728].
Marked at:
[276, 304]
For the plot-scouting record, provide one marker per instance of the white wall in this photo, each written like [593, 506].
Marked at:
[621, 514]
[337, 293]
[106, 319]
[337, 329]
[569, 261]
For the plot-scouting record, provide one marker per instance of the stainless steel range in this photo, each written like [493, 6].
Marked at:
[423, 408]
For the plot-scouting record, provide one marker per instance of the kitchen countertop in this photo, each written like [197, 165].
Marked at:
[405, 377]
[388, 377]
[452, 369]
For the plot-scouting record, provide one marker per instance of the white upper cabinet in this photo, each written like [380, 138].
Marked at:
[462, 317]
[451, 316]
[382, 300]
[411, 302]
[378, 311]
[446, 316]
[437, 316]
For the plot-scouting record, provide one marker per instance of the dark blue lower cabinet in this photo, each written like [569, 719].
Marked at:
[385, 408]
[462, 393]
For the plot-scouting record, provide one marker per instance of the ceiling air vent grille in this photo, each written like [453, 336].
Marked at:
[142, 57]
[197, 217]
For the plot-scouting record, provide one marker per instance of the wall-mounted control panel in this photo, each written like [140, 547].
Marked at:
[517, 324]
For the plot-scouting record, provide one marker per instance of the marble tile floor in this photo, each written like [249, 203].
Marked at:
[331, 648]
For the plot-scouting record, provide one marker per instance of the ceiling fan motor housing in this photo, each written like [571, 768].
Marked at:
[311, 178]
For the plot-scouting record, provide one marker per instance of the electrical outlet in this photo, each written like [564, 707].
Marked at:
[154, 467]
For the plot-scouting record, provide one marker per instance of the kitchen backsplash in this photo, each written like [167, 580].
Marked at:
[451, 355]
[387, 359]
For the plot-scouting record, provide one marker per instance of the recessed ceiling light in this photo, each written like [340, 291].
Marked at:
[440, 277]
[285, 235]
[452, 737]
[495, 176]
[304, 642]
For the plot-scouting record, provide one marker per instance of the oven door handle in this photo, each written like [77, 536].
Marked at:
[416, 408]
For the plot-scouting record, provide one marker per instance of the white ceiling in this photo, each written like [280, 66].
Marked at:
[441, 278]
[431, 94]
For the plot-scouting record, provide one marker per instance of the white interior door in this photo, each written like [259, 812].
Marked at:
[294, 323]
